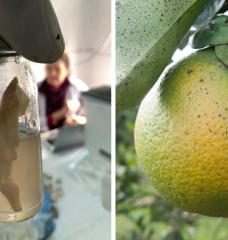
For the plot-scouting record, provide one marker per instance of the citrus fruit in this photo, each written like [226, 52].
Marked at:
[181, 134]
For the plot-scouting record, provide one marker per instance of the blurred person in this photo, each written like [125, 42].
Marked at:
[59, 96]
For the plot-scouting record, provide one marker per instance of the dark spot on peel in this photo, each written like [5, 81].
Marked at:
[189, 71]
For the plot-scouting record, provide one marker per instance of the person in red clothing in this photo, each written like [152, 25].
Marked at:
[59, 97]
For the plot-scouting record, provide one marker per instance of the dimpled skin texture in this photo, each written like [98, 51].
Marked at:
[181, 135]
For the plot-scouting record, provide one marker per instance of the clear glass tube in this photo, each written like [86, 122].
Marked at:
[21, 185]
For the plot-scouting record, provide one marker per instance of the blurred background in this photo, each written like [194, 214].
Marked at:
[86, 26]
[141, 213]
[78, 175]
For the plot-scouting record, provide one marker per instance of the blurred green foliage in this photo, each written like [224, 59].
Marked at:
[141, 213]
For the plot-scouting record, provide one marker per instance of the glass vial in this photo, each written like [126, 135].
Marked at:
[21, 185]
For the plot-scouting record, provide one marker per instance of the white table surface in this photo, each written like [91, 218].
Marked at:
[82, 216]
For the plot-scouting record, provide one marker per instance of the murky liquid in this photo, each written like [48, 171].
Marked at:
[27, 175]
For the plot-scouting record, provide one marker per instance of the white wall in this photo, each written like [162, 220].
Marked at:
[86, 26]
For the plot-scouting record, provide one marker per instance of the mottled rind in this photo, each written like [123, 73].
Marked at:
[181, 135]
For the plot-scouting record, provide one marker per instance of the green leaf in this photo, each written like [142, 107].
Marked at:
[210, 10]
[220, 19]
[222, 53]
[147, 34]
[174, 235]
[211, 228]
[213, 35]
[126, 229]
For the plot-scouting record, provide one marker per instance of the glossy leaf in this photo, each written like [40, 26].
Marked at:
[210, 10]
[220, 19]
[212, 35]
